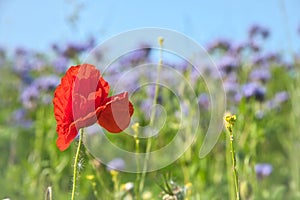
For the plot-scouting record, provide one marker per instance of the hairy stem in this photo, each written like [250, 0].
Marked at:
[76, 164]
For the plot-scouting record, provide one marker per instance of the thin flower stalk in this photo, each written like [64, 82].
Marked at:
[153, 113]
[76, 165]
[230, 120]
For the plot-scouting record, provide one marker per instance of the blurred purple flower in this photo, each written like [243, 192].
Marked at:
[97, 55]
[136, 56]
[26, 78]
[29, 96]
[56, 48]
[151, 90]
[25, 62]
[61, 64]
[204, 101]
[117, 164]
[279, 98]
[183, 66]
[273, 57]
[146, 106]
[184, 109]
[264, 60]
[228, 64]
[263, 170]
[258, 59]
[21, 64]
[47, 82]
[37, 64]
[73, 49]
[261, 74]
[258, 30]
[252, 89]
[232, 88]
[223, 44]
[32, 93]
[21, 51]
[237, 48]
[19, 119]
[253, 46]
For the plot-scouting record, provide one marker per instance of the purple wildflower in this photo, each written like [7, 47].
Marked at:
[281, 97]
[223, 44]
[151, 90]
[261, 74]
[183, 66]
[257, 30]
[21, 64]
[37, 64]
[253, 46]
[146, 106]
[263, 170]
[278, 99]
[61, 64]
[258, 59]
[228, 63]
[237, 48]
[273, 57]
[116, 164]
[136, 56]
[47, 82]
[56, 48]
[204, 101]
[73, 49]
[26, 78]
[231, 86]
[232, 90]
[29, 96]
[20, 52]
[97, 55]
[250, 90]
[19, 119]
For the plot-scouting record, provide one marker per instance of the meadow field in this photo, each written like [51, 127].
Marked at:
[260, 87]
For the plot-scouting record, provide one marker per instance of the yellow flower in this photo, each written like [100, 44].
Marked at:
[229, 121]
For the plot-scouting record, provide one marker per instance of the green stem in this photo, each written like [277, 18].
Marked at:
[76, 164]
[229, 169]
[153, 113]
[138, 176]
[235, 173]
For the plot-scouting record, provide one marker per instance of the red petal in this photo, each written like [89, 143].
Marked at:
[81, 92]
[89, 80]
[115, 117]
[66, 134]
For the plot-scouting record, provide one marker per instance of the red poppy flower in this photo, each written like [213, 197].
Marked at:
[82, 100]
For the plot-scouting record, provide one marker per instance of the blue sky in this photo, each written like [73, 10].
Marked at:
[37, 24]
